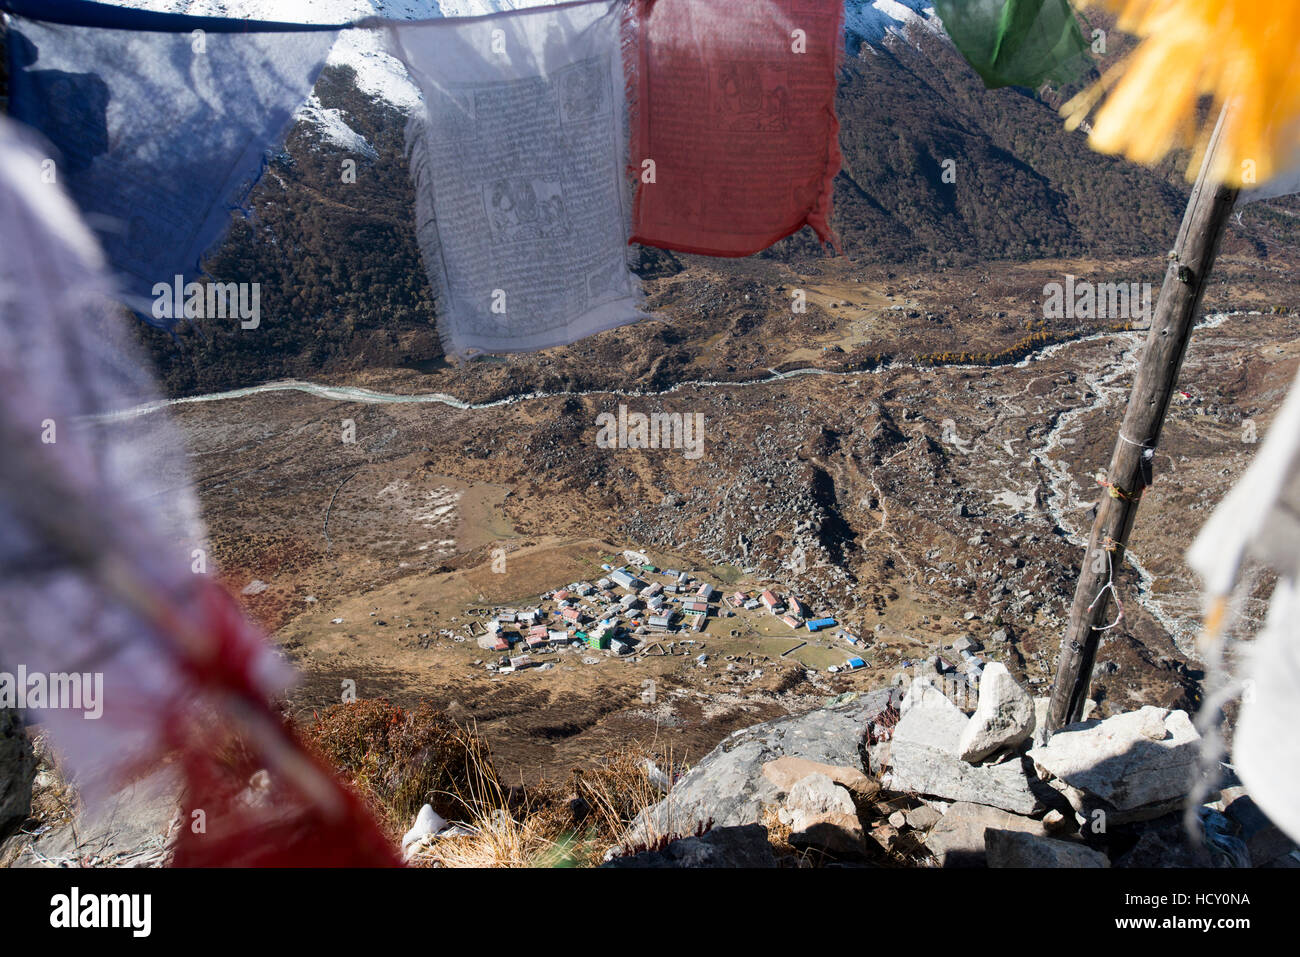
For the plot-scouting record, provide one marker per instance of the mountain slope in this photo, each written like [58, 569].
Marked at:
[343, 288]
[1023, 187]
[1020, 186]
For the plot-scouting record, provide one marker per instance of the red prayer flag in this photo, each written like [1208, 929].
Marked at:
[734, 137]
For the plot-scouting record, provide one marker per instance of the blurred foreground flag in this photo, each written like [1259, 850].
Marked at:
[160, 124]
[1258, 522]
[127, 649]
[1017, 42]
[519, 161]
[1283, 184]
[1237, 57]
[734, 135]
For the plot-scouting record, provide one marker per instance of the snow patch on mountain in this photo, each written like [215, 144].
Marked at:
[380, 75]
[334, 129]
[871, 21]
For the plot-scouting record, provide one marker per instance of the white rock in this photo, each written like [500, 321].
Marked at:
[1151, 724]
[923, 693]
[258, 792]
[818, 794]
[427, 822]
[922, 758]
[658, 779]
[1003, 718]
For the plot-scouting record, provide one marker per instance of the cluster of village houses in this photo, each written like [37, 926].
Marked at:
[625, 612]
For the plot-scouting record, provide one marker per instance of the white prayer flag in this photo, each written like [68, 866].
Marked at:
[523, 207]
[1260, 520]
[1283, 184]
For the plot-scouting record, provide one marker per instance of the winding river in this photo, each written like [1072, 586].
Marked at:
[1107, 387]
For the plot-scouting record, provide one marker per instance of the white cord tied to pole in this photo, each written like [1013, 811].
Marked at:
[1109, 587]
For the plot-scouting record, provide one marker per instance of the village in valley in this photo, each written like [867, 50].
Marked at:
[639, 609]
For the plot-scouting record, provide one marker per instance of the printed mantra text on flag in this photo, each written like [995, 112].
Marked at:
[519, 159]
[734, 134]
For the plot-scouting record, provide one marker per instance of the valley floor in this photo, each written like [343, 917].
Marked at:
[921, 499]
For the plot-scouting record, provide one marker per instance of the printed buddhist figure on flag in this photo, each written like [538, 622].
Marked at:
[734, 136]
[522, 201]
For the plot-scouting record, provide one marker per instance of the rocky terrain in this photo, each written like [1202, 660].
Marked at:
[933, 503]
[923, 498]
[891, 779]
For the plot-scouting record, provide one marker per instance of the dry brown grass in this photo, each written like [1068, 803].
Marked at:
[555, 824]
[567, 823]
[401, 759]
[778, 835]
[54, 800]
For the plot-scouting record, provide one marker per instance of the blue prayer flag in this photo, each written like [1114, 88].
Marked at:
[159, 136]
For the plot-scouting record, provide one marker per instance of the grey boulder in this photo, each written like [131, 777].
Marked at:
[746, 846]
[17, 772]
[1134, 766]
[729, 788]
[824, 817]
[922, 758]
[958, 839]
[1018, 849]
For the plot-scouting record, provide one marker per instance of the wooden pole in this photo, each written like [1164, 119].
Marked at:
[1193, 257]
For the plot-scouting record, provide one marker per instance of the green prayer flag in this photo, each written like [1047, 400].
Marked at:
[1017, 42]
